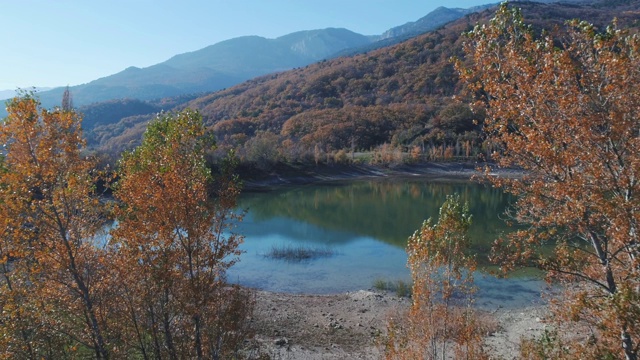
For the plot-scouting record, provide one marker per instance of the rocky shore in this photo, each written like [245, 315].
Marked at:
[352, 325]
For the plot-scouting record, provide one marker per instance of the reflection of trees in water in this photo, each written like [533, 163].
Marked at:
[389, 210]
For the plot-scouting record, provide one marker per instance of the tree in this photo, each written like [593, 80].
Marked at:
[441, 316]
[176, 245]
[67, 100]
[565, 111]
[49, 212]
[157, 288]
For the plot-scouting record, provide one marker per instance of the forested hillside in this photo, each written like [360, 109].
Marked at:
[400, 97]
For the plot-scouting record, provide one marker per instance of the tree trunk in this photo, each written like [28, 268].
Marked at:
[168, 338]
[101, 349]
[196, 320]
[627, 345]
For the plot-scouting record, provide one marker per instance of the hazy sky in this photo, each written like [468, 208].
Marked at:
[70, 42]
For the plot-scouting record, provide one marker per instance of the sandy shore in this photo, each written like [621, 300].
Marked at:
[352, 325]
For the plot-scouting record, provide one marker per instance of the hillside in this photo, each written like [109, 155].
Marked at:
[230, 62]
[215, 67]
[251, 56]
[400, 96]
[118, 124]
[435, 19]
[8, 94]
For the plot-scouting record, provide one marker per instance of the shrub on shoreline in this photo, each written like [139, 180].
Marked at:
[298, 253]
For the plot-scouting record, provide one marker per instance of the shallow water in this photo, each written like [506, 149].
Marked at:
[366, 225]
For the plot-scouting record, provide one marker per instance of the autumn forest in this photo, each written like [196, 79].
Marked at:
[118, 219]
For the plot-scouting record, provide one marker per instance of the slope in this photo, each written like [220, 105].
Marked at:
[215, 67]
[402, 96]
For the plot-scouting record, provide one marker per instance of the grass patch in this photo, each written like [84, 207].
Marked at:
[298, 253]
[401, 288]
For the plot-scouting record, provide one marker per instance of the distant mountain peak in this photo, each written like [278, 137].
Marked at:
[433, 20]
[321, 44]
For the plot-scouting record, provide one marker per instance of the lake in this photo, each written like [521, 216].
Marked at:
[365, 224]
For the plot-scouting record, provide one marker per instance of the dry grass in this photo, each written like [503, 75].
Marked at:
[401, 288]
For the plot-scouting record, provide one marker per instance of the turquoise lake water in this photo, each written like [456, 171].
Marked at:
[366, 225]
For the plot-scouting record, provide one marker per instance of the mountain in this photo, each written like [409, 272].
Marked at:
[8, 94]
[104, 121]
[431, 21]
[398, 96]
[154, 82]
[232, 61]
[215, 67]
[412, 80]
[252, 56]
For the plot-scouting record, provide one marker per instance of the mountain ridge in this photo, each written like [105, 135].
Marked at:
[436, 18]
[212, 68]
[401, 95]
[164, 80]
[216, 79]
[207, 70]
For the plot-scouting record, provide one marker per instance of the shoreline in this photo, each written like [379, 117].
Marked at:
[292, 176]
[352, 325]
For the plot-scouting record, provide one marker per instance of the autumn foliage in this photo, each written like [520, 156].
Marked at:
[566, 110]
[51, 295]
[441, 322]
[156, 287]
[176, 245]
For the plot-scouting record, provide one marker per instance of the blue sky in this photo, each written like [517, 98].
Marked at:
[70, 42]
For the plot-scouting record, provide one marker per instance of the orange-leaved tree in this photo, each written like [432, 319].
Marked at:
[50, 291]
[441, 321]
[566, 110]
[176, 244]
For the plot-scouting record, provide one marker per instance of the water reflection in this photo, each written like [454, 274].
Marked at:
[367, 223]
[386, 210]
